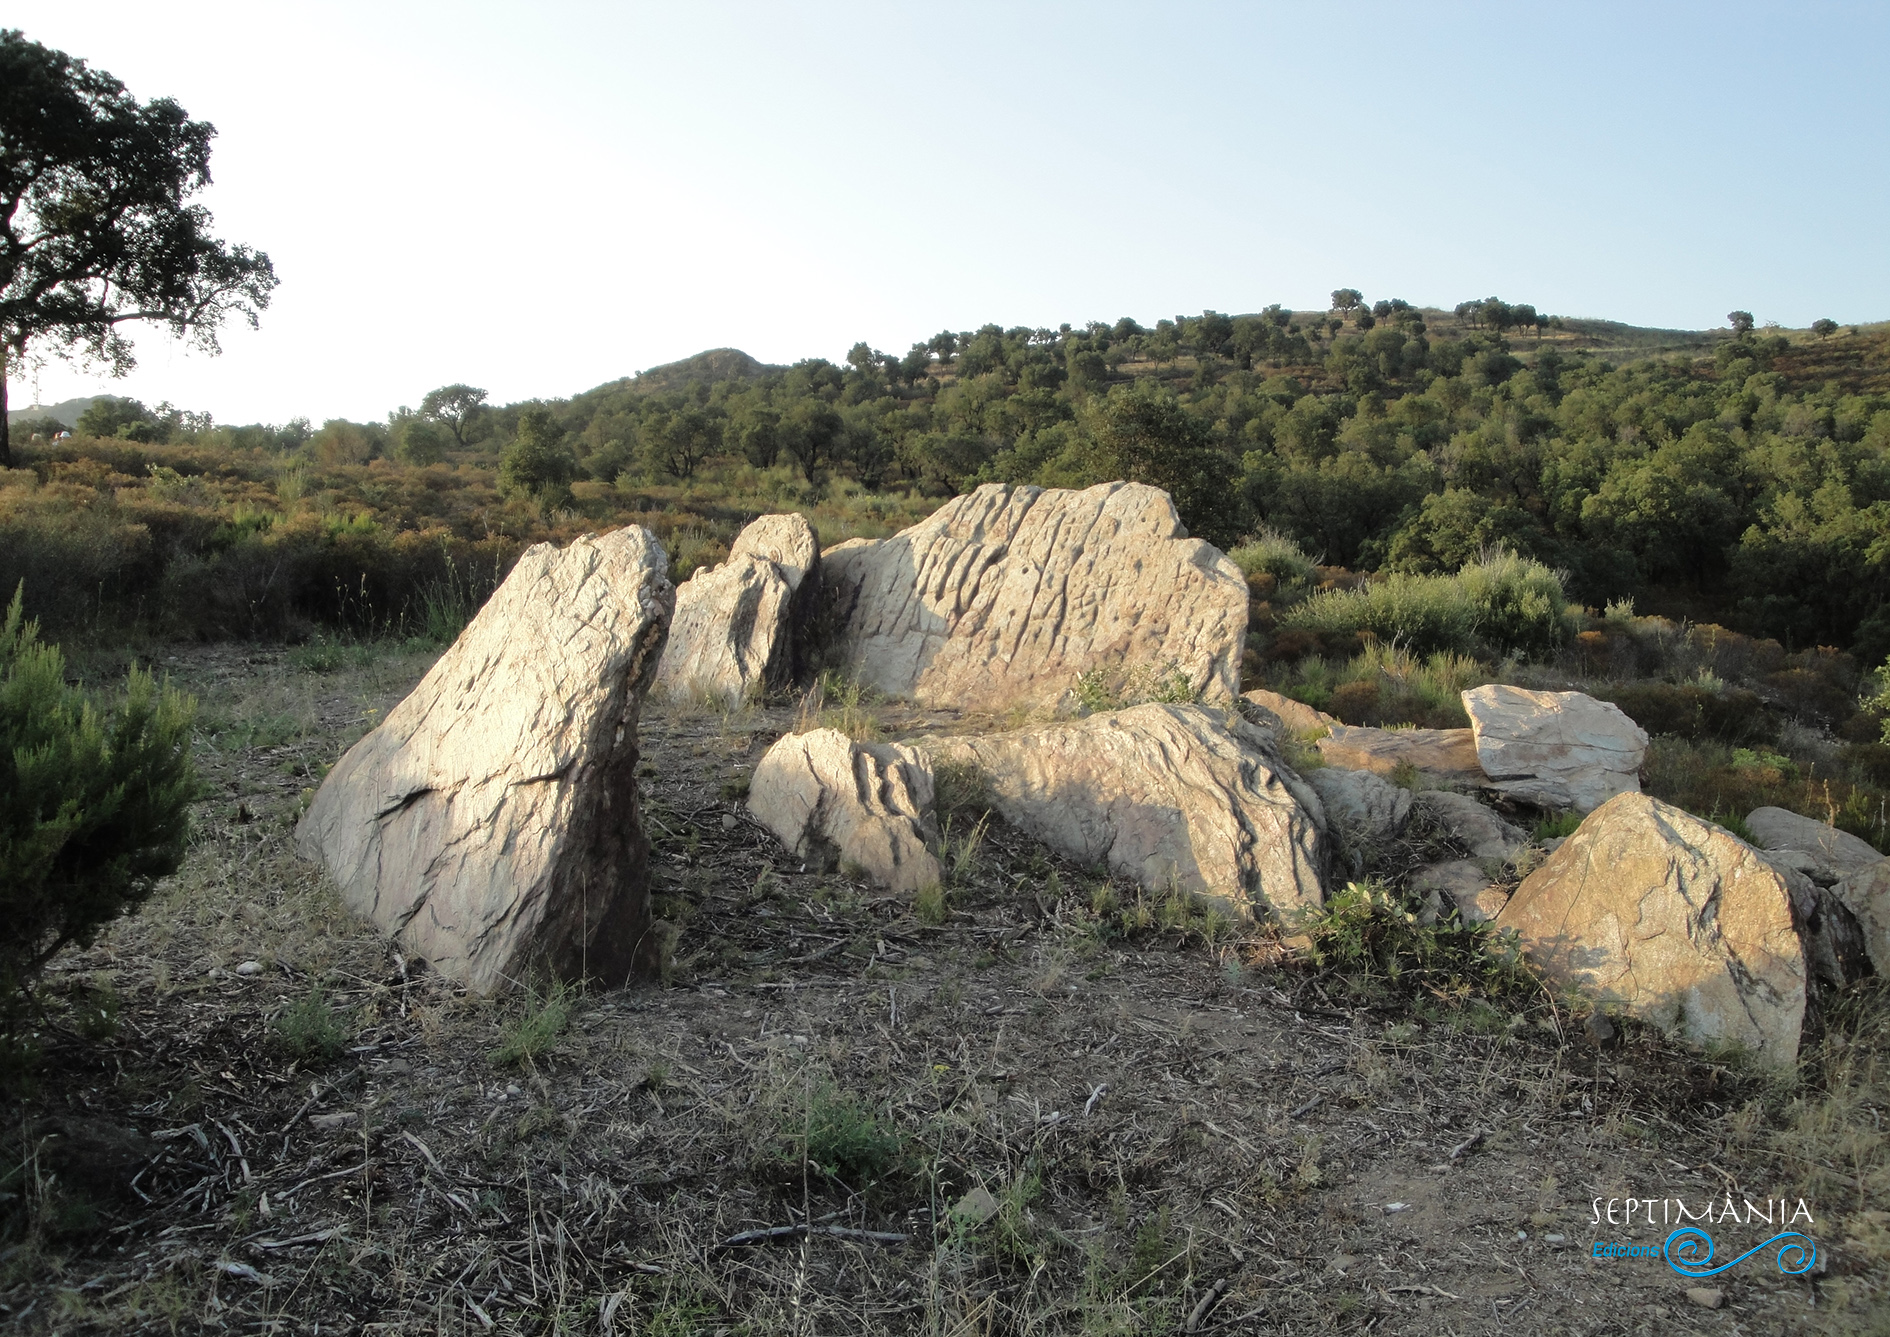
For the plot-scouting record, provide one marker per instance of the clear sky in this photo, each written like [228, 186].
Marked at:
[539, 198]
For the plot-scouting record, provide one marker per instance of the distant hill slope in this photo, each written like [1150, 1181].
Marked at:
[716, 364]
[66, 411]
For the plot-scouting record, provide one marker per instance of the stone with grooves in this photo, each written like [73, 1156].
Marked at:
[1834, 855]
[1362, 805]
[1555, 749]
[1006, 595]
[834, 801]
[490, 823]
[740, 627]
[1486, 835]
[1674, 920]
[1164, 794]
[1447, 756]
[1294, 716]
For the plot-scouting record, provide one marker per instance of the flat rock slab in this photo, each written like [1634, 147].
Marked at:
[490, 823]
[1555, 749]
[1444, 756]
[740, 628]
[1167, 795]
[1832, 855]
[1674, 920]
[1007, 595]
[1296, 717]
[834, 801]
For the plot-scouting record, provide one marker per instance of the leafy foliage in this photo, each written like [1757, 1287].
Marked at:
[93, 804]
[1503, 603]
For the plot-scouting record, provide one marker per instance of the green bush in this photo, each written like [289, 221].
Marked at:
[1687, 710]
[1272, 553]
[93, 804]
[1377, 937]
[1504, 604]
[311, 1031]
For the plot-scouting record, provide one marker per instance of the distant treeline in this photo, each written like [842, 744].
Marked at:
[1746, 476]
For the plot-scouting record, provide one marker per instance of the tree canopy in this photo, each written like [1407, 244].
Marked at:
[98, 225]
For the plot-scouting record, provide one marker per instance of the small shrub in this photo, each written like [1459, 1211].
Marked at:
[1559, 827]
[1375, 935]
[959, 790]
[540, 1021]
[1273, 554]
[844, 1140]
[1504, 604]
[311, 1031]
[930, 905]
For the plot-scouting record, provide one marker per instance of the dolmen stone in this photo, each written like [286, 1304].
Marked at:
[741, 628]
[1673, 920]
[1831, 855]
[1007, 595]
[1555, 749]
[834, 801]
[490, 822]
[1169, 795]
[1442, 756]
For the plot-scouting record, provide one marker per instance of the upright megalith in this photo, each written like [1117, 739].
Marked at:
[490, 823]
[743, 627]
[1007, 596]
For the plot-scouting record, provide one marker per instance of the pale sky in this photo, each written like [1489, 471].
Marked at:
[539, 198]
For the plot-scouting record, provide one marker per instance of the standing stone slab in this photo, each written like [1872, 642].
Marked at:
[1007, 594]
[490, 823]
[1673, 919]
[1163, 794]
[740, 627]
[1555, 749]
[831, 800]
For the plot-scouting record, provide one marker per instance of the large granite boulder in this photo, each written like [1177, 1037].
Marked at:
[1441, 756]
[1168, 795]
[1672, 919]
[1005, 596]
[834, 801]
[740, 628]
[1830, 855]
[490, 823]
[1555, 749]
[1470, 824]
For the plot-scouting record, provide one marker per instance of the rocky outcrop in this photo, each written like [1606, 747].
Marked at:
[1007, 595]
[1673, 920]
[1555, 749]
[490, 823]
[1470, 824]
[1294, 717]
[1830, 855]
[1462, 884]
[740, 628]
[1364, 806]
[1442, 756]
[834, 801]
[1168, 795]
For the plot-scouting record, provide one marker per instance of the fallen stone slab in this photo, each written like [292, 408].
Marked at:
[1007, 595]
[1480, 830]
[1169, 795]
[490, 822]
[1295, 717]
[1675, 921]
[1555, 749]
[1442, 756]
[1833, 855]
[834, 801]
[740, 628]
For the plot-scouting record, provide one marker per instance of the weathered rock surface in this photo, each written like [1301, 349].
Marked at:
[490, 823]
[1295, 717]
[1673, 919]
[1834, 855]
[1005, 595]
[1477, 828]
[832, 800]
[1462, 883]
[1444, 756]
[1865, 897]
[740, 627]
[1555, 749]
[1164, 794]
[1362, 805]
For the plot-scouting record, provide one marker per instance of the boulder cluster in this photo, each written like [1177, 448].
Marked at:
[490, 823]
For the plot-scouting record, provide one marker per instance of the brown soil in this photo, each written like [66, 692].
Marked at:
[1171, 1131]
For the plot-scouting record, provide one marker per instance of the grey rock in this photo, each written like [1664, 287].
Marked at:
[1442, 756]
[832, 800]
[1481, 831]
[1364, 806]
[1465, 885]
[1555, 749]
[1295, 717]
[1834, 855]
[490, 823]
[740, 627]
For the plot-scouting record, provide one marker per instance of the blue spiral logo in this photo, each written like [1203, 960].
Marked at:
[1689, 1252]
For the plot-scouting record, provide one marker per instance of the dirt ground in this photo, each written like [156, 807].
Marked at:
[1063, 1109]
